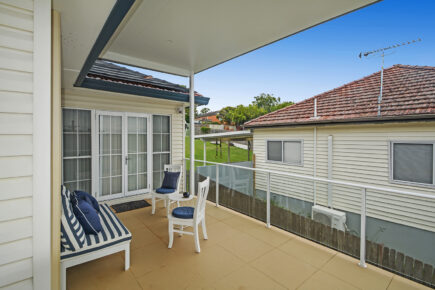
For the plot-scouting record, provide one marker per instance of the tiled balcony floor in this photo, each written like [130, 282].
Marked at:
[241, 253]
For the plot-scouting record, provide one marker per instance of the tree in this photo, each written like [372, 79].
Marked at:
[224, 115]
[205, 110]
[187, 112]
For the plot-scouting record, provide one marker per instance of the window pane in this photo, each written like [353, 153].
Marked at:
[156, 162]
[69, 145]
[132, 124]
[156, 179]
[142, 125]
[84, 186]
[132, 163]
[413, 162]
[69, 120]
[165, 160]
[105, 186]
[116, 185]
[274, 150]
[105, 124]
[157, 124]
[116, 165]
[71, 185]
[143, 181]
[116, 143]
[104, 166]
[142, 142]
[84, 144]
[165, 143]
[165, 124]
[69, 170]
[142, 163]
[84, 168]
[292, 152]
[132, 182]
[157, 142]
[84, 121]
[132, 143]
[104, 143]
[116, 125]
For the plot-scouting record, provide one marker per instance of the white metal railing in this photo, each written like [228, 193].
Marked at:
[363, 187]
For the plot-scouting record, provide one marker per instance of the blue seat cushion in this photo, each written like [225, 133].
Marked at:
[170, 180]
[183, 212]
[86, 215]
[87, 197]
[163, 190]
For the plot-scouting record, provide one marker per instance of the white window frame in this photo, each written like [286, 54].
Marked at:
[152, 144]
[391, 163]
[92, 145]
[301, 164]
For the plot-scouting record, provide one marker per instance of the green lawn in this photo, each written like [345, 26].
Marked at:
[236, 154]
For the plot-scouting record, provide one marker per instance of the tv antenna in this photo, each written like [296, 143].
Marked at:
[382, 52]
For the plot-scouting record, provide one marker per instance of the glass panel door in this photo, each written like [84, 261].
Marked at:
[110, 152]
[137, 154]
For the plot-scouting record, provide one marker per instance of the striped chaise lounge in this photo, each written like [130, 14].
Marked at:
[114, 238]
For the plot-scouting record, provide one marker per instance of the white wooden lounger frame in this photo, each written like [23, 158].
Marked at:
[80, 259]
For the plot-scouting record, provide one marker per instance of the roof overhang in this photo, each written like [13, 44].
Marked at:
[226, 136]
[180, 37]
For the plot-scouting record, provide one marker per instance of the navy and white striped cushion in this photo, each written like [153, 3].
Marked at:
[72, 235]
[113, 232]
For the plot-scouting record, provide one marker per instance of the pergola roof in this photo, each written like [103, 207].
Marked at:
[180, 37]
[226, 136]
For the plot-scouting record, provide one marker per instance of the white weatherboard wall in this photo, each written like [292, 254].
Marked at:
[360, 155]
[16, 144]
[107, 101]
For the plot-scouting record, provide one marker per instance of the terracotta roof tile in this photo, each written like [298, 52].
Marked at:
[408, 92]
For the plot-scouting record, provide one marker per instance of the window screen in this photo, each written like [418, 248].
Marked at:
[292, 152]
[413, 162]
[274, 151]
[76, 141]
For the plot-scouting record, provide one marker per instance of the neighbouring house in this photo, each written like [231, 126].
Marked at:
[210, 117]
[346, 134]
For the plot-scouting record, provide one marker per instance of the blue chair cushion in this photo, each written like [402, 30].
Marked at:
[87, 197]
[170, 180]
[86, 215]
[163, 190]
[183, 212]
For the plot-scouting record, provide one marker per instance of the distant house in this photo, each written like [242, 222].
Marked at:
[339, 134]
[210, 117]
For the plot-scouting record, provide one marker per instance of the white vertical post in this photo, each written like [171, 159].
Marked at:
[217, 185]
[268, 201]
[314, 164]
[192, 133]
[362, 254]
[205, 152]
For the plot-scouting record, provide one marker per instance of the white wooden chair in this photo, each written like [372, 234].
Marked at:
[165, 196]
[190, 217]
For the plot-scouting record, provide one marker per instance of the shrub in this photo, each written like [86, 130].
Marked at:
[205, 130]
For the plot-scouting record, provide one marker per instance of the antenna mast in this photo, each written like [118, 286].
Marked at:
[382, 51]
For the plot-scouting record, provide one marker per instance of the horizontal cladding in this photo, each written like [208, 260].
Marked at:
[360, 155]
[16, 148]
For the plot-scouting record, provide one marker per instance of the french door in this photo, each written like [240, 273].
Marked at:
[122, 159]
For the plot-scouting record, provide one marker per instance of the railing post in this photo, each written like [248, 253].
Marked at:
[217, 185]
[268, 201]
[362, 254]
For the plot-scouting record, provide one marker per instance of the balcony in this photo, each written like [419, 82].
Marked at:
[241, 253]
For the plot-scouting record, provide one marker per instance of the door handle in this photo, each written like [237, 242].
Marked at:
[126, 159]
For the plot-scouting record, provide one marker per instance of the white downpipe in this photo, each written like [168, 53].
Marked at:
[362, 254]
[184, 150]
[205, 151]
[192, 132]
[330, 170]
[217, 185]
[268, 201]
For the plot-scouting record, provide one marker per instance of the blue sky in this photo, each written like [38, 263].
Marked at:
[323, 57]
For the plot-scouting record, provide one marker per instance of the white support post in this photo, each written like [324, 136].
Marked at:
[217, 185]
[268, 201]
[329, 171]
[315, 162]
[362, 254]
[192, 133]
[205, 152]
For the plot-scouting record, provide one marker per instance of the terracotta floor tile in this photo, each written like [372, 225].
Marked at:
[271, 236]
[308, 251]
[245, 246]
[347, 269]
[142, 238]
[400, 283]
[324, 281]
[247, 277]
[288, 271]
[145, 259]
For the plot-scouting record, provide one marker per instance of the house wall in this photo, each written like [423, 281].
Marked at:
[91, 99]
[360, 154]
[16, 143]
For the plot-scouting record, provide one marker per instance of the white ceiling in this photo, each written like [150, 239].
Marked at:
[180, 37]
